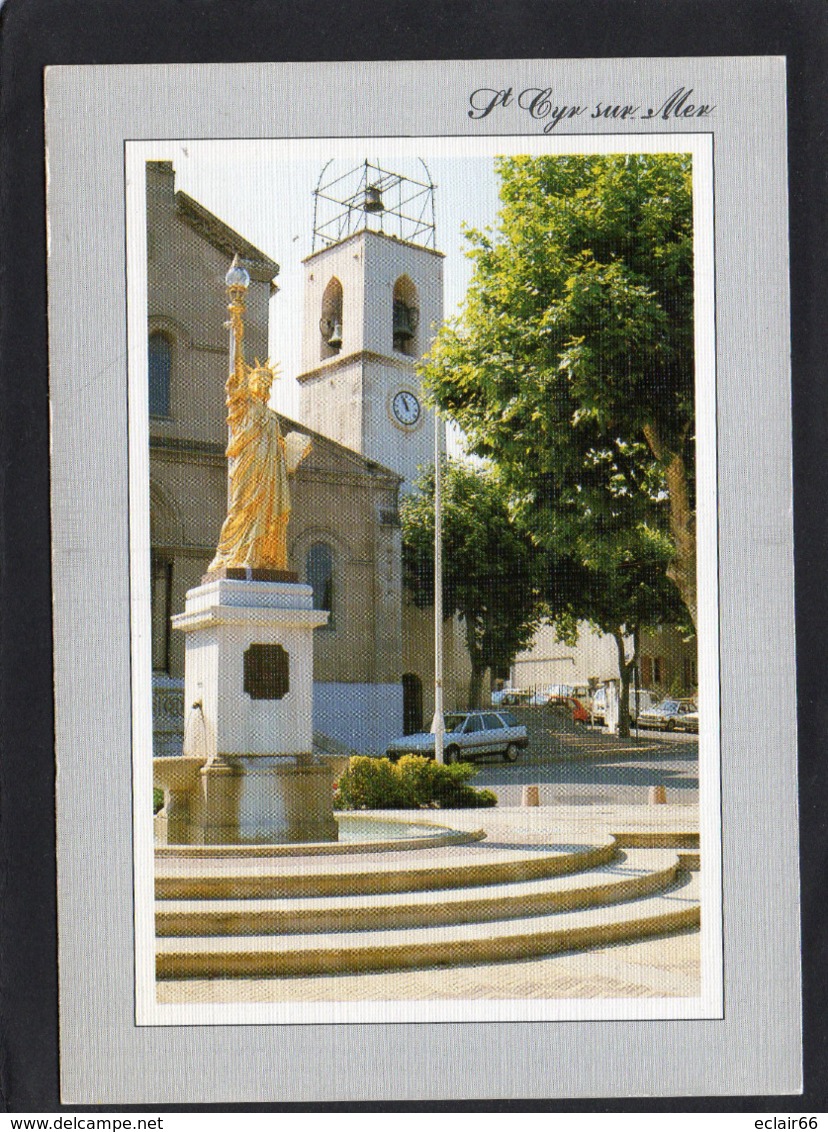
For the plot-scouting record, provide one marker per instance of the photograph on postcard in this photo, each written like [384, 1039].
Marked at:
[410, 744]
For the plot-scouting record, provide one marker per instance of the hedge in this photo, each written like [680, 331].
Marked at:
[412, 783]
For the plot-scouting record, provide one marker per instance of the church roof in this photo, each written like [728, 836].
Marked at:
[323, 446]
[348, 455]
[224, 238]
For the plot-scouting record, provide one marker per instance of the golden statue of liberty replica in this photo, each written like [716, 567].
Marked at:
[248, 772]
[260, 458]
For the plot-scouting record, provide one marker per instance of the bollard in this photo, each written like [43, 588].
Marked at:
[657, 796]
[531, 795]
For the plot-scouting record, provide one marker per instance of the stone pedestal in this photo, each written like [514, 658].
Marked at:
[248, 668]
[248, 713]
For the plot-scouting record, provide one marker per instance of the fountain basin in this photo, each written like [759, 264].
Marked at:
[177, 773]
[244, 800]
[270, 806]
[358, 833]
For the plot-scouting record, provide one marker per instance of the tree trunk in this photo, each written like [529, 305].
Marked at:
[625, 668]
[476, 683]
[682, 570]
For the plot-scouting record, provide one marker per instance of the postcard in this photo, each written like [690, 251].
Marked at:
[400, 762]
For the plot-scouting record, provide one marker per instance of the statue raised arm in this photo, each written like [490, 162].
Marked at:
[259, 462]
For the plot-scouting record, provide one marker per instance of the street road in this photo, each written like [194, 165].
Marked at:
[591, 768]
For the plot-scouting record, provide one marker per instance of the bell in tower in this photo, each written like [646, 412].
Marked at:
[373, 200]
[406, 320]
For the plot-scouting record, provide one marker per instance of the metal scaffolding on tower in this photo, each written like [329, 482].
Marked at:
[370, 198]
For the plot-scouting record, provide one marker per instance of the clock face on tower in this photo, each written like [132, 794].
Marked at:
[406, 408]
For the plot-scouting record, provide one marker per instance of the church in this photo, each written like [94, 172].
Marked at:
[372, 304]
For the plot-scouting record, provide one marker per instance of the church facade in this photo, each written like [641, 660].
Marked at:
[361, 407]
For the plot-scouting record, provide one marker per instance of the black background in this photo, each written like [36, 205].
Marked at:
[38, 33]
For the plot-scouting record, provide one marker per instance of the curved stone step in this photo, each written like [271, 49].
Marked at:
[658, 839]
[503, 940]
[632, 875]
[183, 878]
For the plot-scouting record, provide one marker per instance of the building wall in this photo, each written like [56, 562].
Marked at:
[344, 261]
[667, 661]
[364, 717]
[386, 260]
[330, 401]
[404, 449]
[368, 265]
[594, 657]
[418, 658]
[187, 301]
[353, 510]
[188, 501]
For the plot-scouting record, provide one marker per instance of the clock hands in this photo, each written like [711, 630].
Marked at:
[406, 407]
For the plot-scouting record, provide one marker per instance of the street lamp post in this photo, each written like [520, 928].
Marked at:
[438, 724]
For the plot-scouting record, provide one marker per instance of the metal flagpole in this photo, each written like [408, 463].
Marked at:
[438, 725]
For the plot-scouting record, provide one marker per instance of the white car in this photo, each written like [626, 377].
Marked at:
[646, 700]
[672, 715]
[468, 734]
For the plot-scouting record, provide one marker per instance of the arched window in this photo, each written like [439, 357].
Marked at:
[330, 322]
[320, 576]
[406, 316]
[160, 371]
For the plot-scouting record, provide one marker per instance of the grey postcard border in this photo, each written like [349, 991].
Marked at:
[112, 1059]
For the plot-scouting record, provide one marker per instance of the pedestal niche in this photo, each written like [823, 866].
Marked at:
[248, 714]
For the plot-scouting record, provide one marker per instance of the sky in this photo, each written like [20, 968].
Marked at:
[264, 190]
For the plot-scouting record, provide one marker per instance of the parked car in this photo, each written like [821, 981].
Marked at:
[646, 700]
[510, 696]
[573, 704]
[671, 715]
[468, 734]
[691, 721]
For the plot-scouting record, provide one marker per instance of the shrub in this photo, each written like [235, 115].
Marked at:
[370, 784]
[157, 799]
[420, 778]
[412, 783]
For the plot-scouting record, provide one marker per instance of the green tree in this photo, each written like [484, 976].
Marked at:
[488, 565]
[571, 367]
[617, 581]
[607, 552]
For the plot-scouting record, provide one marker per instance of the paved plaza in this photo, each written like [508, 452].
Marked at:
[653, 968]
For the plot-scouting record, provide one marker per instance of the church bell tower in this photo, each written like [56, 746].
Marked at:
[373, 304]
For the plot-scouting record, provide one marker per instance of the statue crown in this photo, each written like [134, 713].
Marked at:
[264, 374]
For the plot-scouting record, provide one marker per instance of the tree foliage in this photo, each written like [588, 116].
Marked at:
[488, 565]
[625, 589]
[571, 367]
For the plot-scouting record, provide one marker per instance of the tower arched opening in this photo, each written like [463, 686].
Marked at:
[330, 321]
[406, 317]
